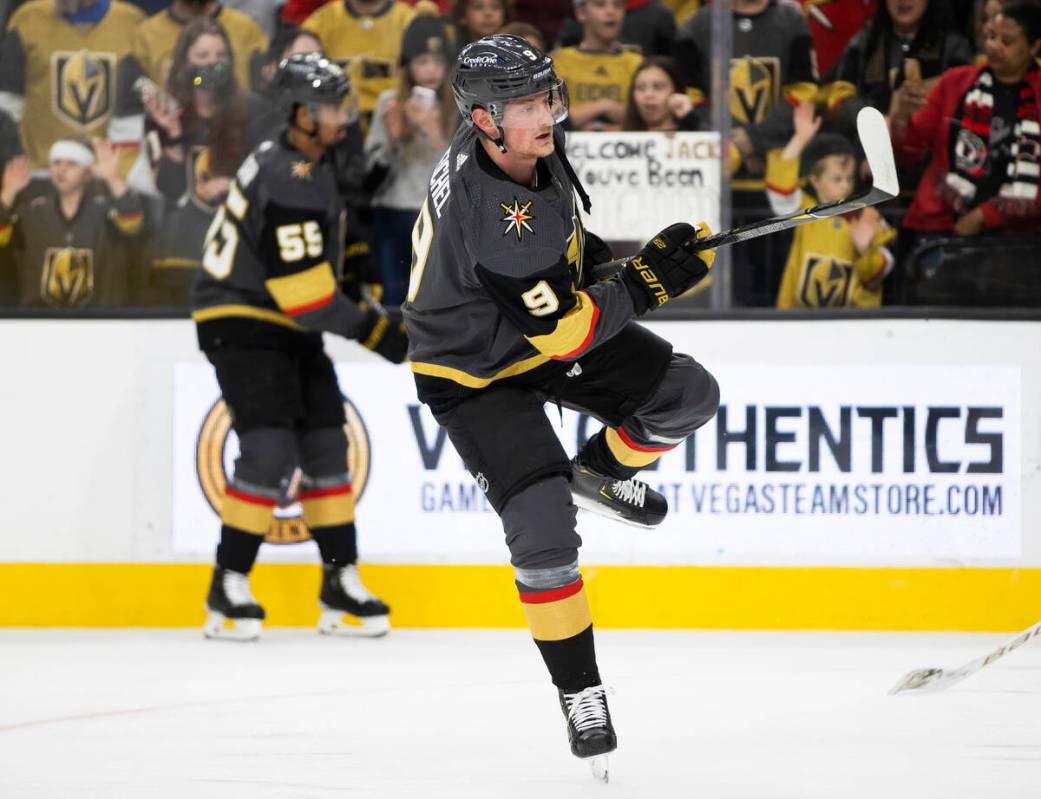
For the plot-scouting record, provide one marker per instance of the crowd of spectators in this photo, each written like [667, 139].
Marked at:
[122, 125]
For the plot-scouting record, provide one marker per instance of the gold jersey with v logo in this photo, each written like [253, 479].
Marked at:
[66, 74]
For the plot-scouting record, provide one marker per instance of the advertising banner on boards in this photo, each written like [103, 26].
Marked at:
[803, 465]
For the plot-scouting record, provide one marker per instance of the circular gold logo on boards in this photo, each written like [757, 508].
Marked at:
[287, 525]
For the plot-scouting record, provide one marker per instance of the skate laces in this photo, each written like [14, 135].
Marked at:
[587, 708]
[632, 491]
[236, 586]
[353, 586]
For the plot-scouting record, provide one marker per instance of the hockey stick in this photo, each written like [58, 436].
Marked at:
[931, 680]
[878, 149]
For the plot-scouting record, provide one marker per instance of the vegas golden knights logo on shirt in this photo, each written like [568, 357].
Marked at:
[287, 526]
[68, 276]
[755, 86]
[82, 86]
[826, 281]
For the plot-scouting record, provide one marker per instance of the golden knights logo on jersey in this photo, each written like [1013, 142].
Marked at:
[826, 281]
[68, 276]
[82, 86]
[755, 86]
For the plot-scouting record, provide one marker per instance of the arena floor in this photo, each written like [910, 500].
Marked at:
[431, 713]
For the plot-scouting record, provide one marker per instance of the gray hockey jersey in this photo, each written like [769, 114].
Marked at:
[274, 251]
[497, 288]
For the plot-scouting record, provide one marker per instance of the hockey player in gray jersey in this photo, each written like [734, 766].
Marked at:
[502, 316]
[269, 287]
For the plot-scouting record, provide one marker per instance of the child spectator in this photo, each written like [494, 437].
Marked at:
[833, 262]
[875, 60]
[649, 28]
[365, 35]
[71, 240]
[599, 71]
[528, 33]
[658, 99]
[980, 125]
[412, 127]
[58, 64]
[475, 19]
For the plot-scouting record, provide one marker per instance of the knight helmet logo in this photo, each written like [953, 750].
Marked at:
[82, 86]
[68, 276]
[755, 87]
[826, 282]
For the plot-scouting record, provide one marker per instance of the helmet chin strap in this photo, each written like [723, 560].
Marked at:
[312, 109]
[500, 140]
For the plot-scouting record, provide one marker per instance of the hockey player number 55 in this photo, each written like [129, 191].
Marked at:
[295, 241]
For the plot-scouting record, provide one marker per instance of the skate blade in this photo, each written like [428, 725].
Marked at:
[336, 622]
[592, 506]
[219, 627]
[598, 765]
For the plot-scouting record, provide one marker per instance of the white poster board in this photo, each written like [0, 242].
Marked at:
[642, 182]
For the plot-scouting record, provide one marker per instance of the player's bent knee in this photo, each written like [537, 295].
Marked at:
[323, 452]
[698, 392]
[539, 522]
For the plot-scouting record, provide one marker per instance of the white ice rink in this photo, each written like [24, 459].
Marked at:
[158, 714]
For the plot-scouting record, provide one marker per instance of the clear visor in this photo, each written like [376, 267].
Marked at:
[344, 112]
[540, 110]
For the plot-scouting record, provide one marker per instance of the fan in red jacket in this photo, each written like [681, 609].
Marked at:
[982, 124]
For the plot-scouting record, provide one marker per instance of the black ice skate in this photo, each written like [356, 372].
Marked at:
[589, 728]
[343, 594]
[631, 501]
[232, 612]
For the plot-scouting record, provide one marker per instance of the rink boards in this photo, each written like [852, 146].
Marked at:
[860, 475]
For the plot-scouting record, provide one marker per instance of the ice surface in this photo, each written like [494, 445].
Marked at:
[429, 713]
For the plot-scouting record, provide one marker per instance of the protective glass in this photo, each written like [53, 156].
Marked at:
[538, 110]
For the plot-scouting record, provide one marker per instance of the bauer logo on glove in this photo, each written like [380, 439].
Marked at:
[667, 266]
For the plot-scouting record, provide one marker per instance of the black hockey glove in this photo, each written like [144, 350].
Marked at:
[664, 268]
[385, 335]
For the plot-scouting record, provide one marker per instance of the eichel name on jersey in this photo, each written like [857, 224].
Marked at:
[497, 288]
[273, 255]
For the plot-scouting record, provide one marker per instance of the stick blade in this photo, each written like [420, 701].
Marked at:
[924, 680]
[878, 149]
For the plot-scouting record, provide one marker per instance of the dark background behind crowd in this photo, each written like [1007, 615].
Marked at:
[122, 125]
